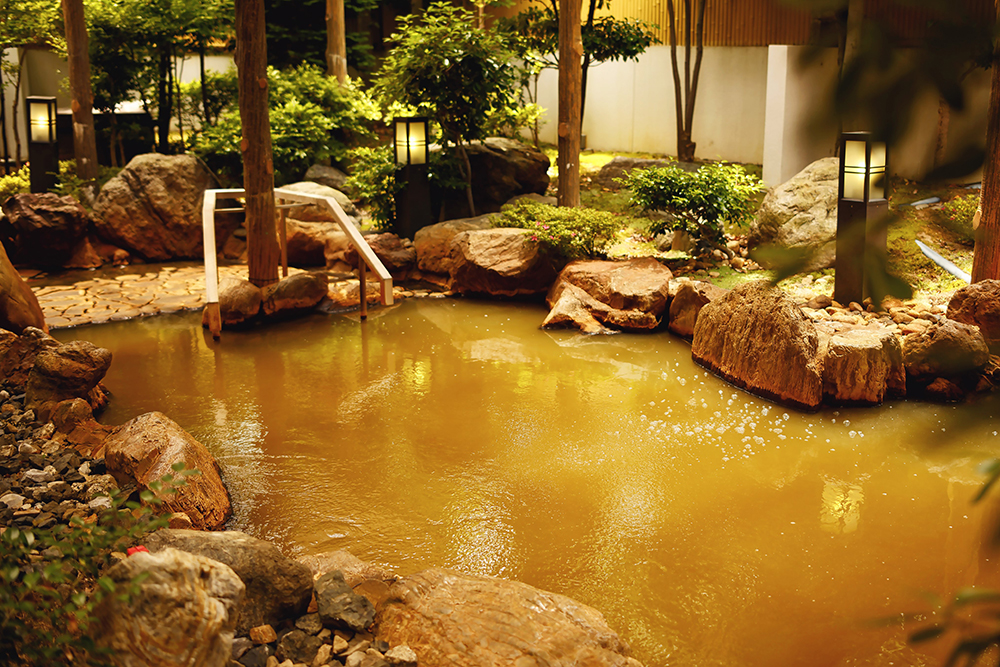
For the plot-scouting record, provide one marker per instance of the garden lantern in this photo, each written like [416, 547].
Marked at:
[413, 196]
[861, 203]
[43, 150]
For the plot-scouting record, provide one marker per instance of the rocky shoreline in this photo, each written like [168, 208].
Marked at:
[218, 598]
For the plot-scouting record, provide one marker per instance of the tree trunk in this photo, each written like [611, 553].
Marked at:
[570, 74]
[686, 93]
[467, 168]
[586, 65]
[941, 143]
[204, 85]
[258, 169]
[163, 98]
[336, 40]
[986, 258]
[15, 107]
[3, 128]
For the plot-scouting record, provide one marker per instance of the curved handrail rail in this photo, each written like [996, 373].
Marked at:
[364, 250]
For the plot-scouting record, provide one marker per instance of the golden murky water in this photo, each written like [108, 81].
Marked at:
[710, 527]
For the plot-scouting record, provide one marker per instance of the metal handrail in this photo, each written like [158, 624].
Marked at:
[365, 252]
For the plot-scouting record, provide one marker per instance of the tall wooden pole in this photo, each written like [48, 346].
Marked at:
[84, 140]
[570, 75]
[336, 40]
[986, 257]
[258, 169]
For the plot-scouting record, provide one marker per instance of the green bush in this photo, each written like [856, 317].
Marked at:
[957, 214]
[68, 183]
[313, 118]
[702, 202]
[571, 233]
[45, 608]
[15, 183]
[373, 178]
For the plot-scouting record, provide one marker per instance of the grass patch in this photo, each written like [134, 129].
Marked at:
[909, 263]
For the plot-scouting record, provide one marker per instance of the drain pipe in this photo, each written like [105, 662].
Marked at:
[944, 263]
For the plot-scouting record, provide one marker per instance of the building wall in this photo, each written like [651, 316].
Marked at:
[630, 105]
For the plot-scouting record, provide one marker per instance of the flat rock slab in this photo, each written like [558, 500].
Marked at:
[463, 620]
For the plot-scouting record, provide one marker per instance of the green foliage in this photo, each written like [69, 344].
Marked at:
[373, 177]
[571, 233]
[701, 202]
[451, 71]
[957, 214]
[535, 32]
[313, 118]
[15, 183]
[296, 33]
[70, 184]
[45, 609]
[221, 89]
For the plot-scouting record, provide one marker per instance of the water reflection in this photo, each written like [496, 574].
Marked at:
[610, 469]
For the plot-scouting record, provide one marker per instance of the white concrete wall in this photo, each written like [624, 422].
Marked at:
[630, 105]
[798, 94]
[796, 97]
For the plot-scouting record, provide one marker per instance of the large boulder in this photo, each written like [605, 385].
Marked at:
[501, 169]
[339, 606]
[944, 349]
[294, 294]
[306, 241]
[499, 262]
[861, 365]
[19, 307]
[314, 212]
[66, 371]
[433, 242]
[630, 295]
[277, 587]
[239, 302]
[802, 214]
[464, 620]
[396, 254]
[18, 354]
[145, 449]
[620, 166]
[331, 177]
[182, 613]
[153, 208]
[686, 305]
[757, 338]
[979, 304]
[47, 227]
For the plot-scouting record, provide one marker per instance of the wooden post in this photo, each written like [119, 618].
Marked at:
[570, 57]
[283, 238]
[363, 286]
[213, 317]
[258, 168]
[336, 40]
[84, 140]
[986, 257]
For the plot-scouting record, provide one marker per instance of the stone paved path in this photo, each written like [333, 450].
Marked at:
[71, 300]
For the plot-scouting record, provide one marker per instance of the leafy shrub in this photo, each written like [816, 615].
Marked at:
[702, 202]
[373, 177]
[313, 118]
[571, 233]
[221, 89]
[45, 610]
[957, 214]
[70, 184]
[15, 183]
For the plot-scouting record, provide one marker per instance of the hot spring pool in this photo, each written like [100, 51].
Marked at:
[710, 527]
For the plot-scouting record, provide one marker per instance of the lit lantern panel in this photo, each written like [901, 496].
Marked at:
[876, 172]
[411, 142]
[40, 122]
[855, 170]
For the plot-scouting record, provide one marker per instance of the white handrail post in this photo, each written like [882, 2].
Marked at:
[213, 315]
